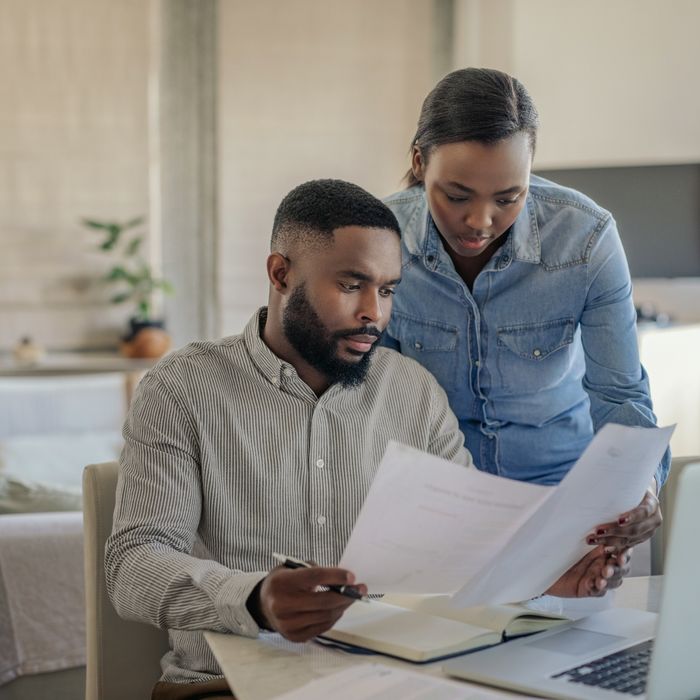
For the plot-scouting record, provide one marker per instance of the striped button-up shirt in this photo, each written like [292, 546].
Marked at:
[230, 456]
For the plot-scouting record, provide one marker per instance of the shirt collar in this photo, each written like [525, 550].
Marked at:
[264, 359]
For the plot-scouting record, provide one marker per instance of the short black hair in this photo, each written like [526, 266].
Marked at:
[312, 211]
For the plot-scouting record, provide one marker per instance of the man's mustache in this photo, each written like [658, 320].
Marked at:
[363, 330]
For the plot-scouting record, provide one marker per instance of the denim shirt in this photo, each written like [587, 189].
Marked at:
[543, 351]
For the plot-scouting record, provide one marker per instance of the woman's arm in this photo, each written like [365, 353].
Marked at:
[615, 380]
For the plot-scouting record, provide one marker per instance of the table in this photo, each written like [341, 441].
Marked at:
[260, 669]
[57, 364]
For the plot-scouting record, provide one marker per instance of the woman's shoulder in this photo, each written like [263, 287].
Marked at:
[410, 208]
[550, 196]
[406, 203]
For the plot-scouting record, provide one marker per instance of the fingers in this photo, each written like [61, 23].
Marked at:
[294, 606]
[631, 528]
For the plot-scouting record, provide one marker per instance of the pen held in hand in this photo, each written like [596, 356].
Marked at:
[292, 563]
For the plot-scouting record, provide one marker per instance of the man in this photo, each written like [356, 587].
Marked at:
[268, 442]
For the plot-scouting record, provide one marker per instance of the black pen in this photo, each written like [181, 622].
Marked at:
[293, 563]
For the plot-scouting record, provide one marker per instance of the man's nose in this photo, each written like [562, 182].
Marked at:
[370, 309]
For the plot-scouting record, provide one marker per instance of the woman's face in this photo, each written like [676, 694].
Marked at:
[475, 191]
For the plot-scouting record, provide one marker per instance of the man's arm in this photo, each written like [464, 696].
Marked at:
[151, 573]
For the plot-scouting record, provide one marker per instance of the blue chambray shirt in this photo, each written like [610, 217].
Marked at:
[543, 351]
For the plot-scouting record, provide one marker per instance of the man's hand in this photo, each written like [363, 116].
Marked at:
[598, 572]
[632, 527]
[292, 605]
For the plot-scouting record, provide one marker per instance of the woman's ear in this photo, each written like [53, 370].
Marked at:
[417, 164]
[277, 271]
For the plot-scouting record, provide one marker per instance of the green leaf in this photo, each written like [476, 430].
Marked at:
[117, 273]
[166, 286]
[120, 298]
[134, 222]
[93, 223]
[134, 245]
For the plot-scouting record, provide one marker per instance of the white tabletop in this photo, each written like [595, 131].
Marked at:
[260, 669]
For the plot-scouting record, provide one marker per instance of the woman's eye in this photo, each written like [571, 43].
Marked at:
[455, 199]
[508, 201]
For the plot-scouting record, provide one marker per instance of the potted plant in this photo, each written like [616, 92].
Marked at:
[133, 276]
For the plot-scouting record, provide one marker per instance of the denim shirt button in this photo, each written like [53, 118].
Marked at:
[431, 258]
[505, 260]
[418, 345]
[537, 352]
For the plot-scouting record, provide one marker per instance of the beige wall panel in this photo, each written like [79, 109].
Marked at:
[309, 89]
[73, 143]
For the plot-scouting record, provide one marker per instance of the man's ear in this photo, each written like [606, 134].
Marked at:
[277, 271]
[417, 164]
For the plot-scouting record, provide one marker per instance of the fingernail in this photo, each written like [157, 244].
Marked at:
[590, 540]
[609, 550]
[623, 521]
[600, 531]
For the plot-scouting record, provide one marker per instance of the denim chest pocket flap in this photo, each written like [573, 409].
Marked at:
[419, 336]
[537, 341]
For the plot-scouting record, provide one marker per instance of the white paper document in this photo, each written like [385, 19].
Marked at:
[388, 683]
[431, 526]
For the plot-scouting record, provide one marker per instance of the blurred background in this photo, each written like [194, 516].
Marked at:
[200, 115]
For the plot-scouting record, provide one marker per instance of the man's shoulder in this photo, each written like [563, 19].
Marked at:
[390, 364]
[200, 355]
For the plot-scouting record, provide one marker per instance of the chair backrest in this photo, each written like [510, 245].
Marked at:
[667, 498]
[123, 658]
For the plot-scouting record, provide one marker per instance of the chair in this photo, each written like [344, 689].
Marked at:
[667, 498]
[123, 658]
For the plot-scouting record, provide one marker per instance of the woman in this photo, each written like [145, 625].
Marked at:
[515, 293]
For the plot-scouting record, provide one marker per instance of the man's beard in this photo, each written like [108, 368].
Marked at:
[318, 346]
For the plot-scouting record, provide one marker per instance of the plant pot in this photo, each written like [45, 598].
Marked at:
[146, 340]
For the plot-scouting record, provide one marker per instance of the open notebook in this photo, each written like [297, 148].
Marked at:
[427, 628]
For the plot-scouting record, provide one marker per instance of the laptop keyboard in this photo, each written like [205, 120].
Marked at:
[624, 671]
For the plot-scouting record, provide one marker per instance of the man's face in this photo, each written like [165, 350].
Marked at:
[475, 191]
[341, 301]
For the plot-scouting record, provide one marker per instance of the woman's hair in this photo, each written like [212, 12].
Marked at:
[474, 104]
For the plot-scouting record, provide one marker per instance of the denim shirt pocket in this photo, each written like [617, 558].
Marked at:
[431, 343]
[534, 356]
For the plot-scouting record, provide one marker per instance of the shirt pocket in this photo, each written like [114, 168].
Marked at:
[432, 343]
[535, 356]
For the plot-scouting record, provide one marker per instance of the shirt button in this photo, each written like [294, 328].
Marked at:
[320, 463]
[418, 345]
[275, 380]
[288, 371]
[505, 260]
[321, 520]
[476, 363]
[537, 352]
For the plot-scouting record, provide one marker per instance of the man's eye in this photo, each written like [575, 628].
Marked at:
[387, 291]
[455, 199]
[506, 202]
[349, 287]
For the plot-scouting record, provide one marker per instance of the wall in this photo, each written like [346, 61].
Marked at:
[614, 82]
[309, 89]
[73, 132]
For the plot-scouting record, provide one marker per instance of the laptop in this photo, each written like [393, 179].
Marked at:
[618, 653]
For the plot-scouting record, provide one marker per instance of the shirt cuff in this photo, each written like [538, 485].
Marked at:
[231, 600]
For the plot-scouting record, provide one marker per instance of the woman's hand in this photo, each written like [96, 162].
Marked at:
[593, 575]
[632, 527]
